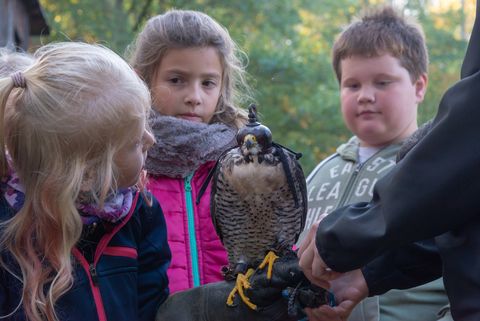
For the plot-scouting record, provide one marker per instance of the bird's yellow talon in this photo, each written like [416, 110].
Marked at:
[269, 259]
[242, 283]
[231, 296]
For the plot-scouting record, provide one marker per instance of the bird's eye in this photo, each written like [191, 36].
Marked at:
[250, 138]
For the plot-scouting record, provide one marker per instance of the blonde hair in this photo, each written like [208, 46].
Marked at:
[62, 132]
[178, 29]
[383, 30]
[12, 61]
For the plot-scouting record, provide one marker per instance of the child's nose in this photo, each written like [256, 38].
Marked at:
[149, 140]
[193, 96]
[366, 95]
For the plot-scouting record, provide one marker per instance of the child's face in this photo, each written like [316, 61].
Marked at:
[187, 83]
[130, 160]
[379, 101]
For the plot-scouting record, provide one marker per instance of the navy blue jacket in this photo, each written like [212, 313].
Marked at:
[121, 277]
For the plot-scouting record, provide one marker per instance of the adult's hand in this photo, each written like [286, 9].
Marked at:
[349, 289]
[311, 263]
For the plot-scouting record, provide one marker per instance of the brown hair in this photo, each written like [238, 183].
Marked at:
[183, 29]
[381, 31]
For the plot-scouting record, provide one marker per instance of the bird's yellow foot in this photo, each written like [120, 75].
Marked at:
[269, 259]
[240, 284]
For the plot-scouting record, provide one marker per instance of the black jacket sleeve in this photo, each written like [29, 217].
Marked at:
[434, 189]
[403, 268]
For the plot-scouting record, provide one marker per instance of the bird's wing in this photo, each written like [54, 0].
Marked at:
[299, 184]
[221, 192]
[213, 193]
[301, 187]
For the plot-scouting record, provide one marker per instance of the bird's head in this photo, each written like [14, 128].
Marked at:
[254, 138]
[250, 144]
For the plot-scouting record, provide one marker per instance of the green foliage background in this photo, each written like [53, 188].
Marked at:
[288, 45]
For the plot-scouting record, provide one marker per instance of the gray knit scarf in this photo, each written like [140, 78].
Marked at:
[182, 145]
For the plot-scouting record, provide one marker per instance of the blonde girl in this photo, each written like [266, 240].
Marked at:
[78, 240]
[196, 78]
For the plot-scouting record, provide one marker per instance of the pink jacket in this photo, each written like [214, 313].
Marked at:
[197, 253]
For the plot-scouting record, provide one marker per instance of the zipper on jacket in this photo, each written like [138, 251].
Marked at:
[191, 230]
[352, 179]
[350, 184]
[92, 276]
[91, 269]
[93, 273]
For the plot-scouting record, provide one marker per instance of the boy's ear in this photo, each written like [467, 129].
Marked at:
[421, 87]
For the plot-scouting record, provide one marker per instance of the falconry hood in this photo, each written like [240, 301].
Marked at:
[254, 138]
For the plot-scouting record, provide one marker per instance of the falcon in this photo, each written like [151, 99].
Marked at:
[258, 203]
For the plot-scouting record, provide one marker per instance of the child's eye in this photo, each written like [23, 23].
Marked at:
[352, 85]
[383, 82]
[209, 83]
[175, 80]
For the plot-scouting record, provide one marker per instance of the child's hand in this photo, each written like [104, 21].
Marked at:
[313, 266]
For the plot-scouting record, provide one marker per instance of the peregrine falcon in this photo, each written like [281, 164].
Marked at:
[258, 202]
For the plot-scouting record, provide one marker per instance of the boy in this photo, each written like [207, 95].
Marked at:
[381, 65]
[432, 192]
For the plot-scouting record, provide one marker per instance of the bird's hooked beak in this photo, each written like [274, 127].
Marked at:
[250, 141]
